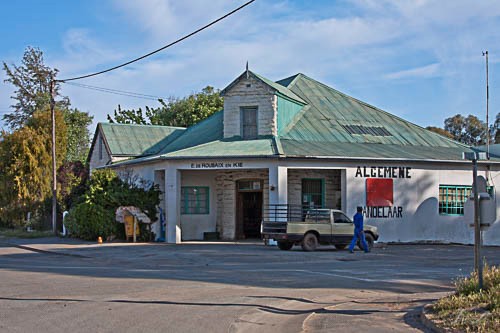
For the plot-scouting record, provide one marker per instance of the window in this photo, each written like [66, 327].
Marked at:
[313, 193]
[367, 130]
[194, 200]
[340, 218]
[453, 197]
[100, 147]
[249, 122]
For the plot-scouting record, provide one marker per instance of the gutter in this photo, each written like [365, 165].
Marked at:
[285, 157]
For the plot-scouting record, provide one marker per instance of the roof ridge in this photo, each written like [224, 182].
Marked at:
[141, 125]
[288, 93]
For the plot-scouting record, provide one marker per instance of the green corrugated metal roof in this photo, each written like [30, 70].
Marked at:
[330, 111]
[299, 148]
[207, 130]
[280, 88]
[135, 140]
[494, 149]
[320, 129]
[251, 148]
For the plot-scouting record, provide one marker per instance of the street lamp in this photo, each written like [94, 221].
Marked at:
[478, 265]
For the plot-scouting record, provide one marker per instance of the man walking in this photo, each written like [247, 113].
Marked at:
[358, 231]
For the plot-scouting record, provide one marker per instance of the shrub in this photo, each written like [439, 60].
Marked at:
[94, 214]
[89, 221]
[469, 308]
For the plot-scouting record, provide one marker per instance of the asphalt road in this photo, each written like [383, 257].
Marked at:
[58, 285]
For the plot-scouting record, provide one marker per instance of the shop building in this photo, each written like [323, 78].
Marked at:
[298, 141]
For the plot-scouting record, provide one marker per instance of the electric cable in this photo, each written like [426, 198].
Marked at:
[116, 91]
[160, 49]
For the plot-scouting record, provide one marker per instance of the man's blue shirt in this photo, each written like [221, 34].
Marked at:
[358, 221]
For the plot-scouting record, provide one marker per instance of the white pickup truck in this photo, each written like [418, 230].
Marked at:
[312, 228]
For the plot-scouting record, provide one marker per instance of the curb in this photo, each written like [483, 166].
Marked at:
[428, 323]
[32, 249]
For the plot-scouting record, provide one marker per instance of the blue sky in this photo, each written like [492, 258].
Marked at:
[420, 60]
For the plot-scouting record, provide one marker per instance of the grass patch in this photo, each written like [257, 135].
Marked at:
[22, 233]
[470, 309]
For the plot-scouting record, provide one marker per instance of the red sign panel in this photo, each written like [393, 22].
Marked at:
[379, 192]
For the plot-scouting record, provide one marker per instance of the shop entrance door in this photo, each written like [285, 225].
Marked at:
[249, 210]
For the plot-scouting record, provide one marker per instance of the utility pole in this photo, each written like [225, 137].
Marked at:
[478, 261]
[485, 53]
[478, 265]
[54, 181]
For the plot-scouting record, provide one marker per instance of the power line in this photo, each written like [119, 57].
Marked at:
[116, 92]
[162, 48]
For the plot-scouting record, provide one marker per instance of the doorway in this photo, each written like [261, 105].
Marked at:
[249, 209]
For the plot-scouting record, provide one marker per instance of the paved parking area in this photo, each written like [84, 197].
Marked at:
[61, 285]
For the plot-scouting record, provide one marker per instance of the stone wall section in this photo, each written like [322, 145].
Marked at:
[332, 185]
[226, 195]
[250, 92]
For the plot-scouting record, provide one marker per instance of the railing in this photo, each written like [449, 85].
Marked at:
[276, 213]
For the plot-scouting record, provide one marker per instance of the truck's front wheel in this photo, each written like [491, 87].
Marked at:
[369, 241]
[310, 242]
[285, 246]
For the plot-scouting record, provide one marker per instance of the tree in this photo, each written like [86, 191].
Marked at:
[182, 112]
[27, 165]
[25, 151]
[470, 130]
[78, 134]
[440, 131]
[32, 82]
[494, 130]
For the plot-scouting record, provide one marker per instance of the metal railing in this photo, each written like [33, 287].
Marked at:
[276, 213]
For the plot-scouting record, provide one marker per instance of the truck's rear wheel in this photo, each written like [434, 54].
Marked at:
[340, 246]
[285, 246]
[369, 241]
[310, 242]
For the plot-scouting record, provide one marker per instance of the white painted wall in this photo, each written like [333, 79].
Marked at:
[193, 226]
[417, 195]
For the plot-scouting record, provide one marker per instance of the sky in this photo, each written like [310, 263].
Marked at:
[420, 60]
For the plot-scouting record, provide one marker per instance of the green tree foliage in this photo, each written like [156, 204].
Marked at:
[71, 179]
[182, 112]
[32, 82]
[26, 164]
[469, 130]
[94, 214]
[495, 130]
[78, 134]
[440, 131]
[26, 159]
